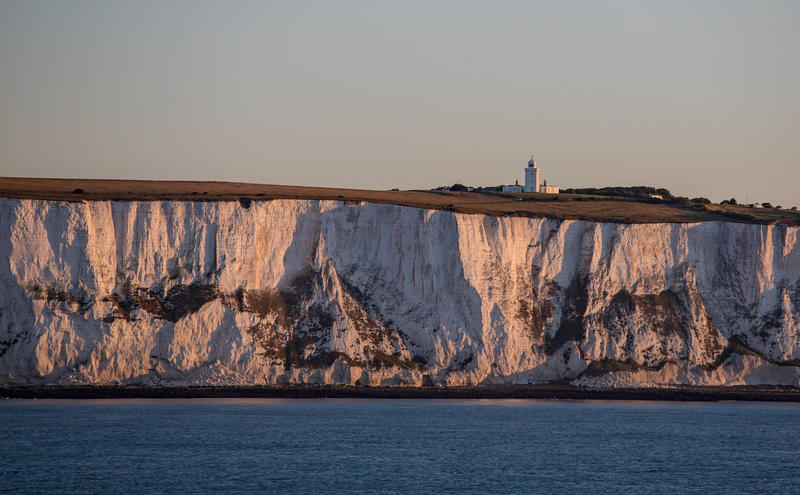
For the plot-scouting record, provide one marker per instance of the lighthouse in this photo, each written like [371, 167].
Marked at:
[531, 176]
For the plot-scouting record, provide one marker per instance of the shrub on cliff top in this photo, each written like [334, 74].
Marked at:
[623, 191]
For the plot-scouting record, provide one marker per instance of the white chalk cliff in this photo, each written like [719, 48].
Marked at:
[297, 291]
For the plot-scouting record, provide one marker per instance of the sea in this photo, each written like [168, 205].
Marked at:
[365, 446]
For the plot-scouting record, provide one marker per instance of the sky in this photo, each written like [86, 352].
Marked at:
[700, 97]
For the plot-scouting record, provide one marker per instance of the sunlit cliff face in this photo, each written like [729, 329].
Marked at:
[291, 291]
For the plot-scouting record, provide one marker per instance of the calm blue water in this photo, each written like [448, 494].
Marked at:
[387, 446]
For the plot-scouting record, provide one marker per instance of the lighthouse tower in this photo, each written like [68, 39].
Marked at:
[531, 176]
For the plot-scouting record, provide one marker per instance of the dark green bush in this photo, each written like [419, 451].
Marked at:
[622, 191]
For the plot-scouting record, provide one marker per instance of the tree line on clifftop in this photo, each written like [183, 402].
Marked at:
[646, 193]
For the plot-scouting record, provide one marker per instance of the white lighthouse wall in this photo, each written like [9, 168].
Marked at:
[531, 179]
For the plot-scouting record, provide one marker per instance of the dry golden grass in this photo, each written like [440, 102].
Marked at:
[567, 206]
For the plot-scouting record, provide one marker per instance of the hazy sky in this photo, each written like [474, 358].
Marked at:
[698, 97]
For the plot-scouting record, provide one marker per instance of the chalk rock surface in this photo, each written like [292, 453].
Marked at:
[299, 291]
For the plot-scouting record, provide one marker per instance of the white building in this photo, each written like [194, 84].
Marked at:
[531, 176]
[544, 188]
[516, 188]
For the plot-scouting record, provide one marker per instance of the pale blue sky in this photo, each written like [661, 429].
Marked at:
[698, 97]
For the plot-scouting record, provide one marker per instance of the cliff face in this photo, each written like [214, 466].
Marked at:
[297, 291]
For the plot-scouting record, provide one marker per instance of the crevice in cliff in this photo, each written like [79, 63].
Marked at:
[171, 305]
[576, 299]
[76, 300]
[606, 366]
[659, 311]
[301, 317]
[535, 312]
[737, 344]
[11, 340]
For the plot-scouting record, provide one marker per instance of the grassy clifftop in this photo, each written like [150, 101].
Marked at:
[567, 206]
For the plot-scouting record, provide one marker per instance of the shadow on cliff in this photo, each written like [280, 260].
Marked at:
[16, 320]
[314, 293]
